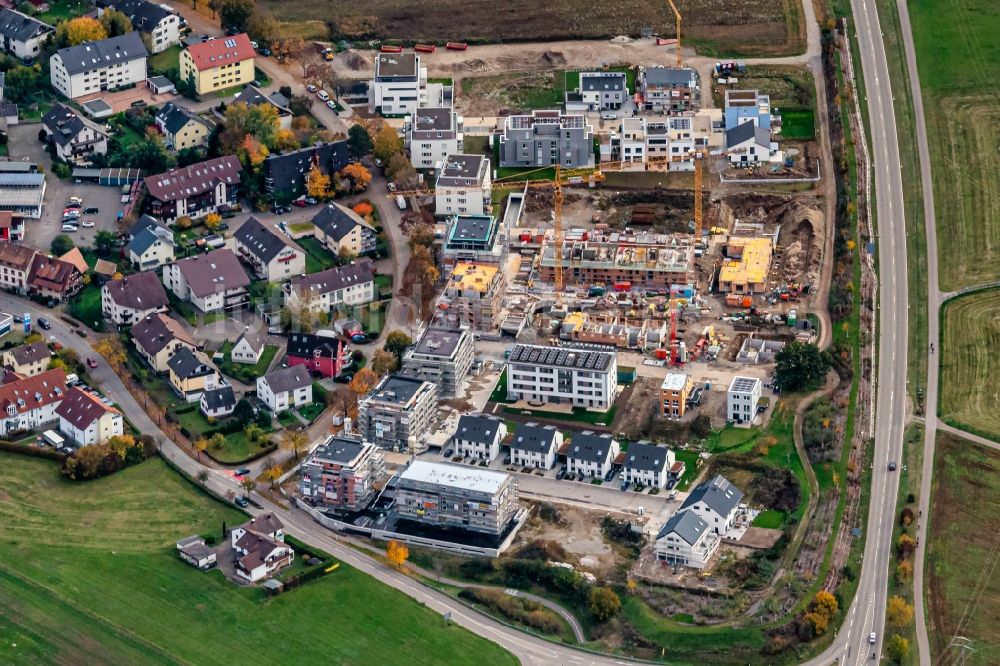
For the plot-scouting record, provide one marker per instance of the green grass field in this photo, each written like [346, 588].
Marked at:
[88, 574]
[958, 62]
[965, 519]
[798, 124]
[318, 258]
[166, 60]
[86, 307]
[246, 373]
[970, 338]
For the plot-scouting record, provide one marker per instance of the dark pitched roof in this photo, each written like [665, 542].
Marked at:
[218, 398]
[139, 291]
[255, 340]
[63, 124]
[145, 239]
[306, 345]
[337, 221]
[332, 279]
[91, 56]
[174, 117]
[717, 494]
[602, 81]
[288, 379]
[685, 524]
[659, 76]
[646, 457]
[14, 256]
[744, 132]
[477, 428]
[254, 96]
[19, 27]
[590, 447]
[213, 272]
[186, 364]
[533, 438]
[288, 171]
[154, 332]
[144, 222]
[145, 16]
[81, 408]
[194, 179]
[261, 241]
[50, 273]
[26, 354]
[265, 523]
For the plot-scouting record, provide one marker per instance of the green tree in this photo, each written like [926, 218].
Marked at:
[263, 27]
[399, 170]
[898, 648]
[259, 122]
[799, 364]
[387, 144]
[384, 362]
[21, 82]
[61, 244]
[115, 22]
[396, 342]
[604, 603]
[236, 14]
[243, 413]
[359, 141]
[104, 241]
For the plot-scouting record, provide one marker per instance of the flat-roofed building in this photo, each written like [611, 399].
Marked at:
[474, 297]
[674, 393]
[546, 138]
[451, 496]
[562, 375]
[746, 269]
[22, 193]
[742, 398]
[432, 134]
[442, 357]
[480, 239]
[463, 186]
[398, 412]
[399, 85]
[342, 473]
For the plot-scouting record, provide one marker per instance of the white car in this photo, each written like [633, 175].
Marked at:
[331, 104]
[254, 45]
[311, 88]
[86, 224]
[76, 200]
[70, 227]
[323, 95]
[871, 638]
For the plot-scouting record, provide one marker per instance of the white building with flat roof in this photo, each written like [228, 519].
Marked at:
[742, 398]
[432, 134]
[399, 85]
[463, 186]
[562, 375]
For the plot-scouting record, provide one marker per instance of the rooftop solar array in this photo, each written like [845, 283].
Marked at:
[561, 357]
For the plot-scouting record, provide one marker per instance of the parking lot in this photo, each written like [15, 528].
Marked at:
[39, 233]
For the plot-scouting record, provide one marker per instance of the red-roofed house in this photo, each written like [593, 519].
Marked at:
[31, 402]
[219, 63]
[196, 190]
[53, 278]
[86, 420]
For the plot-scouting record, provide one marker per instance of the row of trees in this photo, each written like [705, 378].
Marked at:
[97, 460]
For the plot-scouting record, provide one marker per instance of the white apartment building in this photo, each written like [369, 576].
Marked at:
[399, 85]
[161, 25]
[591, 455]
[717, 502]
[742, 398]
[133, 298]
[685, 540]
[86, 420]
[479, 436]
[353, 284]
[94, 67]
[432, 134]
[562, 375]
[661, 145]
[647, 464]
[463, 186]
[212, 282]
[535, 446]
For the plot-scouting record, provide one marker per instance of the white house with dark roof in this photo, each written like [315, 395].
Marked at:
[717, 502]
[270, 255]
[749, 144]
[22, 36]
[535, 446]
[218, 403]
[259, 547]
[182, 128]
[669, 88]
[647, 465]
[86, 420]
[686, 540]
[463, 185]
[284, 388]
[591, 455]
[432, 134]
[132, 298]
[31, 402]
[598, 91]
[94, 67]
[478, 436]
[248, 347]
[212, 282]
[353, 284]
[155, 21]
[74, 137]
[340, 228]
[151, 247]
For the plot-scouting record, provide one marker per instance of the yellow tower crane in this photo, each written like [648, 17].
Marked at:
[677, 21]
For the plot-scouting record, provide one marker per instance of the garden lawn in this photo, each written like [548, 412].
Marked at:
[578, 415]
[89, 574]
[798, 124]
[247, 374]
[86, 307]
[166, 60]
[312, 411]
[318, 258]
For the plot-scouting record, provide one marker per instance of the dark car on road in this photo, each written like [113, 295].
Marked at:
[242, 502]
[242, 471]
[44, 323]
[561, 474]
[91, 210]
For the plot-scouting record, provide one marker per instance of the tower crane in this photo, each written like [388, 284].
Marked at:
[677, 21]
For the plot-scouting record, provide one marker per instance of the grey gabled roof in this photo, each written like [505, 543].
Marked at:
[602, 81]
[19, 27]
[746, 131]
[660, 76]
[218, 398]
[357, 272]
[717, 494]
[143, 241]
[64, 124]
[185, 363]
[144, 16]
[288, 379]
[589, 447]
[477, 428]
[254, 339]
[91, 56]
[534, 438]
[175, 117]
[685, 524]
[263, 242]
[646, 457]
[337, 221]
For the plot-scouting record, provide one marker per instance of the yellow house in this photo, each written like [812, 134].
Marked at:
[674, 393]
[181, 128]
[218, 64]
[191, 374]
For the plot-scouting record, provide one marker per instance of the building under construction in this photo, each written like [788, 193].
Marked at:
[473, 297]
[747, 265]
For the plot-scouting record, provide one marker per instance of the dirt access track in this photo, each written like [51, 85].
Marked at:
[744, 28]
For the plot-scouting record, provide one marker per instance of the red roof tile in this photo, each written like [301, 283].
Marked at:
[221, 51]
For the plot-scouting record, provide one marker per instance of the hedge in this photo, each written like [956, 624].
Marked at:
[36, 451]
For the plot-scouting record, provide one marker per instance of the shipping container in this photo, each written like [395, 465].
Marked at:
[424, 48]
[391, 49]
[456, 46]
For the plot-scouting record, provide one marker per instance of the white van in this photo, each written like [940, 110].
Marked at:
[609, 115]
[401, 201]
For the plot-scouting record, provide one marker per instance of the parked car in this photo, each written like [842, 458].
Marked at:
[242, 471]
[625, 484]
[266, 52]
[70, 228]
[91, 363]
[242, 502]
[73, 205]
[87, 224]
[75, 200]
[561, 474]
[18, 319]
[283, 227]
[51, 303]
[311, 88]
[330, 104]
[506, 461]
[300, 203]
[378, 162]
[254, 45]
[281, 209]
[90, 210]
[323, 95]
[44, 323]
[571, 476]
[448, 453]
[312, 201]
[223, 226]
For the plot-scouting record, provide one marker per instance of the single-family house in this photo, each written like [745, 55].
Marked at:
[194, 551]
[284, 388]
[191, 374]
[151, 248]
[535, 446]
[218, 403]
[93, 67]
[685, 540]
[248, 347]
[647, 465]
[15, 264]
[86, 420]
[591, 455]
[212, 282]
[749, 144]
[132, 298]
[285, 174]
[74, 137]
[218, 63]
[270, 255]
[157, 337]
[340, 228]
[352, 284]
[742, 398]
[478, 436]
[156, 22]
[598, 91]
[196, 190]
[28, 360]
[21, 35]
[317, 353]
[31, 402]
[53, 278]
[182, 128]
[259, 547]
[717, 502]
